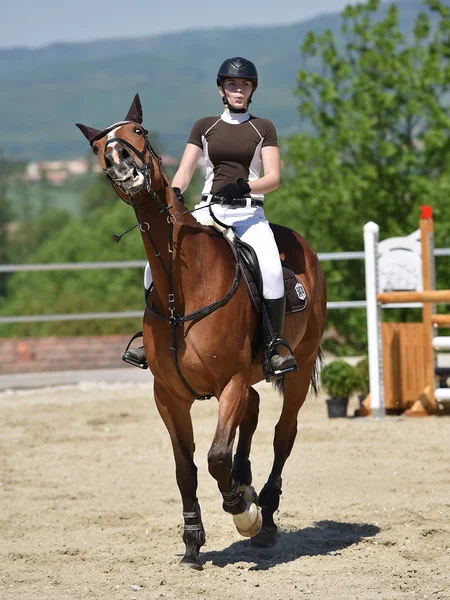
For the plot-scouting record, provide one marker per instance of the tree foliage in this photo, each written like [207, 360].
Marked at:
[60, 292]
[8, 169]
[376, 139]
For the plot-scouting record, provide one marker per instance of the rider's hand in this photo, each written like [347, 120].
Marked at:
[178, 194]
[234, 190]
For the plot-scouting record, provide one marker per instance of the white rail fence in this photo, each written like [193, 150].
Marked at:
[132, 264]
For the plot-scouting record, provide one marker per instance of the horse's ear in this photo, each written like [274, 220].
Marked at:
[135, 112]
[88, 132]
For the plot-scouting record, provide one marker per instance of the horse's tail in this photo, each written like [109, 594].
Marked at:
[318, 362]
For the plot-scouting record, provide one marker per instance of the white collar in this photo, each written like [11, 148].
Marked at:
[234, 118]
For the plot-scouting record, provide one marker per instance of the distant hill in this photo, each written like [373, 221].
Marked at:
[44, 91]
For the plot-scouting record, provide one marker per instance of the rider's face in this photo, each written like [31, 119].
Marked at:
[238, 91]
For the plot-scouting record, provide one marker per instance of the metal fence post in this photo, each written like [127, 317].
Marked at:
[371, 231]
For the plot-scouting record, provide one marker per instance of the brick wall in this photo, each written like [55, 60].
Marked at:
[35, 355]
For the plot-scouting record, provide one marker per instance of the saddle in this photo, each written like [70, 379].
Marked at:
[296, 299]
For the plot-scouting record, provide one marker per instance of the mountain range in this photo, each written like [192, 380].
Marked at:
[44, 91]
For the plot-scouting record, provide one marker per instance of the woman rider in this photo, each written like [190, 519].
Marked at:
[235, 145]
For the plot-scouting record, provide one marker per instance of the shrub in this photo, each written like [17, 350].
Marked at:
[340, 379]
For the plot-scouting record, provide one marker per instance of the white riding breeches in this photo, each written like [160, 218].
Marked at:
[252, 227]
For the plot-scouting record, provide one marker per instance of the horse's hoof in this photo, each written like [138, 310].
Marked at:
[266, 538]
[249, 522]
[189, 562]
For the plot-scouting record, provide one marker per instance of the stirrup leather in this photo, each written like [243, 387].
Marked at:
[134, 357]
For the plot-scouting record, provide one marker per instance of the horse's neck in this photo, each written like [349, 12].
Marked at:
[191, 251]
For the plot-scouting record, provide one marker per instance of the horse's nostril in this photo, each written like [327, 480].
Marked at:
[108, 161]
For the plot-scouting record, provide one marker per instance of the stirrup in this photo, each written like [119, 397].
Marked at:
[270, 373]
[135, 357]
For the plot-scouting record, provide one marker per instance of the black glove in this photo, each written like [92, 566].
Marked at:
[234, 190]
[178, 194]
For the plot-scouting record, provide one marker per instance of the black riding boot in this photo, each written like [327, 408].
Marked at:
[274, 364]
[135, 356]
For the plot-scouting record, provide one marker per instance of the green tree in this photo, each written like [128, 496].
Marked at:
[59, 292]
[376, 140]
[99, 193]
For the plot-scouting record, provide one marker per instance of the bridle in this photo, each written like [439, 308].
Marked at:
[144, 168]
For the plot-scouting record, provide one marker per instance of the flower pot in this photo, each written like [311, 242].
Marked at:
[337, 407]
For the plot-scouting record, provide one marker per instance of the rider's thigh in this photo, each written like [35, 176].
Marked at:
[259, 235]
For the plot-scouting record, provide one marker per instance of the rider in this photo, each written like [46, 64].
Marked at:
[235, 145]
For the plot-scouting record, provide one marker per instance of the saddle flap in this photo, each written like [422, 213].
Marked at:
[296, 299]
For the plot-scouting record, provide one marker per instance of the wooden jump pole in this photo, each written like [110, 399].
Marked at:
[440, 320]
[427, 297]
[428, 283]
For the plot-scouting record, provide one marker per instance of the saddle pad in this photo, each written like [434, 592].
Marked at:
[296, 300]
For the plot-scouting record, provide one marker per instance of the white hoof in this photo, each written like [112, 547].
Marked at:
[249, 522]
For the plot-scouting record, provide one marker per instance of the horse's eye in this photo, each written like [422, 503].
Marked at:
[138, 131]
[95, 149]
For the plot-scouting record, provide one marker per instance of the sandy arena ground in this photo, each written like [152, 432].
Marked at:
[90, 508]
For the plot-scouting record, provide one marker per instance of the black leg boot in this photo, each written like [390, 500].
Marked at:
[274, 364]
[135, 356]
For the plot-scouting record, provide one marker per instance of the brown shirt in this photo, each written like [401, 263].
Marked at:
[232, 149]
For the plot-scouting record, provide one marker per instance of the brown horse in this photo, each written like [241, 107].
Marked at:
[195, 351]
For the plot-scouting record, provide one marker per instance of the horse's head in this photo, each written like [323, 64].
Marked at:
[125, 154]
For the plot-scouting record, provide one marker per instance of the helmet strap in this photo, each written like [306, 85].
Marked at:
[231, 108]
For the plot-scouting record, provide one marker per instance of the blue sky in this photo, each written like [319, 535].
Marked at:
[33, 24]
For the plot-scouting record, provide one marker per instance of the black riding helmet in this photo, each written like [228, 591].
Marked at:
[237, 67]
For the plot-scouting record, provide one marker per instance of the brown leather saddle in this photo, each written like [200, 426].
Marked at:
[296, 299]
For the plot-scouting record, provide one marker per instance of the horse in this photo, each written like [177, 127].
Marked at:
[199, 328]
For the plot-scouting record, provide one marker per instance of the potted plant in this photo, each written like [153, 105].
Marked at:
[340, 379]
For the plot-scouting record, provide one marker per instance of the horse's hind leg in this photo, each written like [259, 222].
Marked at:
[242, 472]
[177, 418]
[296, 387]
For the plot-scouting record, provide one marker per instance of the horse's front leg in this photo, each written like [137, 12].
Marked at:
[177, 418]
[232, 407]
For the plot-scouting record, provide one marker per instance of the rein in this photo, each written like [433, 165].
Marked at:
[174, 320]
